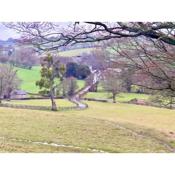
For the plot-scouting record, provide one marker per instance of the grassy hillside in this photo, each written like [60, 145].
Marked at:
[103, 126]
[28, 78]
[46, 102]
[75, 52]
[122, 97]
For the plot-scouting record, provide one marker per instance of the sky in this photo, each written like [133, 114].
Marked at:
[6, 33]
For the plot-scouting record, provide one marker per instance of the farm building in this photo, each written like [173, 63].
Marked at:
[19, 94]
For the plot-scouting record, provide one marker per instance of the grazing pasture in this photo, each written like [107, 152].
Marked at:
[102, 114]
[30, 76]
[75, 52]
[103, 127]
[121, 97]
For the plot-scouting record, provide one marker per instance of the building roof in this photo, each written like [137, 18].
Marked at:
[19, 92]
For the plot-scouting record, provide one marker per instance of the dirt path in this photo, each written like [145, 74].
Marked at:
[77, 97]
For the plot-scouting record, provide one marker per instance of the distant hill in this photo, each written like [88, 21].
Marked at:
[17, 42]
[10, 41]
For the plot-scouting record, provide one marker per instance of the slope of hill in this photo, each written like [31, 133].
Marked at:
[107, 127]
[10, 41]
[28, 78]
[75, 52]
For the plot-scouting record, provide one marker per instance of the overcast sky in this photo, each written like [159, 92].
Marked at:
[6, 33]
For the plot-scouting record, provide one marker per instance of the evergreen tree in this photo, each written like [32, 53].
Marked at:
[51, 72]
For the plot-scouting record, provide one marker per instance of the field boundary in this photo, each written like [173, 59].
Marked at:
[38, 107]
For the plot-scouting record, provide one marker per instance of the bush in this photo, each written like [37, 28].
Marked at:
[78, 71]
[163, 99]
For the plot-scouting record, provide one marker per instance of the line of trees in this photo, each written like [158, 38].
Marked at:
[24, 57]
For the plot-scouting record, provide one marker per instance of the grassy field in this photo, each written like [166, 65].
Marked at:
[75, 52]
[46, 102]
[29, 77]
[103, 126]
[122, 97]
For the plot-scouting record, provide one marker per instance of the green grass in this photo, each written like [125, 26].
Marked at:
[98, 95]
[109, 127]
[80, 83]
[46, 102]
[151, 117]
[125, 97]
[7, 145]
[122, 97]
[29, 78]
[75, 52]
[103, 126]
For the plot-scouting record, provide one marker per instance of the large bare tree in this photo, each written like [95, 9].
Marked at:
[113, 82]
[8, 81]
[152, 62]
[52, 36]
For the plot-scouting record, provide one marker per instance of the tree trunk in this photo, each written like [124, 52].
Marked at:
[171, 102]
[54, 106]
[64, 93]
[129, 87]
[9, 96]
[113, 97]
[94, 88]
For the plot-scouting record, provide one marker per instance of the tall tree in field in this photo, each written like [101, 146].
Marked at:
[113, 82]
[51, 73]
